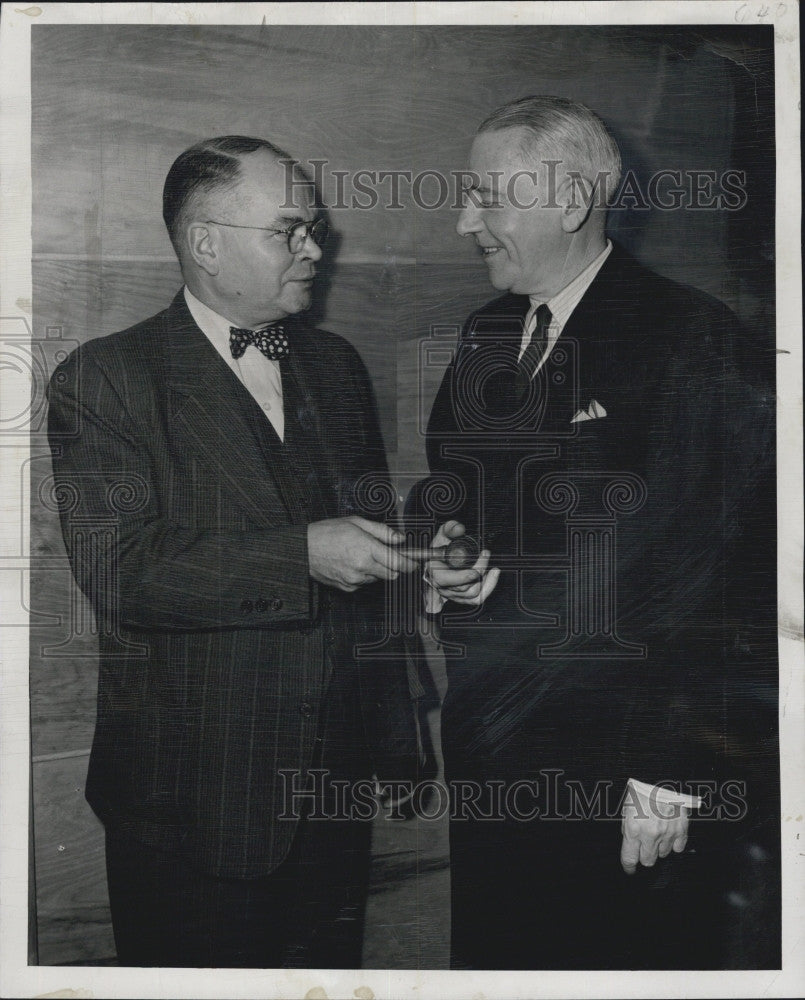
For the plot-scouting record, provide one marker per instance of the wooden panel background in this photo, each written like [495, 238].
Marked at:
[73, 907]
[113, 106]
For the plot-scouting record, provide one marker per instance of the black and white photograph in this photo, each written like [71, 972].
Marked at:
[401, 446]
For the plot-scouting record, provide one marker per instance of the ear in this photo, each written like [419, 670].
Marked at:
[576, 196]
[201, 247]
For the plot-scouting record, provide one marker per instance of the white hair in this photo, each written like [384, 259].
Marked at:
[564, 130]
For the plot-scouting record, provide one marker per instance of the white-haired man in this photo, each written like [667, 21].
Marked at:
[587, 420]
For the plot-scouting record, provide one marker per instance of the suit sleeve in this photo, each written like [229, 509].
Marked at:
[710, 451]
[139, 570]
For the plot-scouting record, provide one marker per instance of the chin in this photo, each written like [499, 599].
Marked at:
[501, 283]
[299, 304]
[503, 280]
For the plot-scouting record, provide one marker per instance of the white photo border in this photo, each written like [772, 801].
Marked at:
[20, 980]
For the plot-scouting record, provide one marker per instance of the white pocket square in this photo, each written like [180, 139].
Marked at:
[595, 411]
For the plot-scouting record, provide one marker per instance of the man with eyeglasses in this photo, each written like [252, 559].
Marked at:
[233, 586]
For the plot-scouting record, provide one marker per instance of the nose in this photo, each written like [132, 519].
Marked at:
[469, 220]
[310, 250]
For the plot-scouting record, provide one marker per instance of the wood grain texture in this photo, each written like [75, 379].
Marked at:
[91, 298]
[73, 904]
[63, 647]
[407, 911]
[407, 917]
[113, 106]
[33, 930]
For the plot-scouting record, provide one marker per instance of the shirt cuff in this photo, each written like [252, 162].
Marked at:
[649, 794]
[433, 601]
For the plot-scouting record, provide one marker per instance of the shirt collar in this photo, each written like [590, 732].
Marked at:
[214, 326]
[564, 302]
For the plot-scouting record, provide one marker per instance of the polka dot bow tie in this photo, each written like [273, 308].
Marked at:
[271, 341]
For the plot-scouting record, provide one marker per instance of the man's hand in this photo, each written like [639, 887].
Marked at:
[348, 552]
[464, 586]
[651, 829]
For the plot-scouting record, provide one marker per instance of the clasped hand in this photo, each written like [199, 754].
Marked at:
[348, 552]
[464, 586]
[651, 829]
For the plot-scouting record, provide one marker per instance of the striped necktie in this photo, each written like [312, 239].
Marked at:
[535, 351]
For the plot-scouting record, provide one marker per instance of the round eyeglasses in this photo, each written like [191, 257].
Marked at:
[296, 234]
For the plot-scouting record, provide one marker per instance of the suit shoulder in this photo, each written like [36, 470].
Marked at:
[703, 324]
[691, 301]
[124, 346]
[328, 340]
[112, 364]
[673, 317]
[661, 294]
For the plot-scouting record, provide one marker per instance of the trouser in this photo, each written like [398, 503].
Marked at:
[546, 895]
[307, 913]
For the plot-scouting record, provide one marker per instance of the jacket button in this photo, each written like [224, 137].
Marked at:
[306, 709]
[276, 603]
[246, 606]
[261, 604]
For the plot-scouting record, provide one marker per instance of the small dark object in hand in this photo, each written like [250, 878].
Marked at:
[462, 552]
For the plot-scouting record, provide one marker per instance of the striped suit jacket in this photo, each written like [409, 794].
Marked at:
[184, 517]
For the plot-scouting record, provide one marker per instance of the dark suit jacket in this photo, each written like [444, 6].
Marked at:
[689, 439]
[185, 521]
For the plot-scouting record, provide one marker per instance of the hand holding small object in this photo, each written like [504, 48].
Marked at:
[460, 553]
[348, 552]
[456, 569]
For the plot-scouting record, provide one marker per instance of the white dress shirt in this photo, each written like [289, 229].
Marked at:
[258, 374]
[561, 305]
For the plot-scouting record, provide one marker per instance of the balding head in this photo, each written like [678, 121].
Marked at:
[211, 167]
[230, 205]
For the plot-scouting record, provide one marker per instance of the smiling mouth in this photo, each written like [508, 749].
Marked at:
[489, 251]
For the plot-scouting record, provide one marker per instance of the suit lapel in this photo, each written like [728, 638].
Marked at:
[486, 362]
[221, 418]
[279, 455]
[604, 332]
[313, 416]
[497, 335]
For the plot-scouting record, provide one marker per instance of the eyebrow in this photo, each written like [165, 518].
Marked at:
[482, 188]
[485, 191]
[286, 221]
